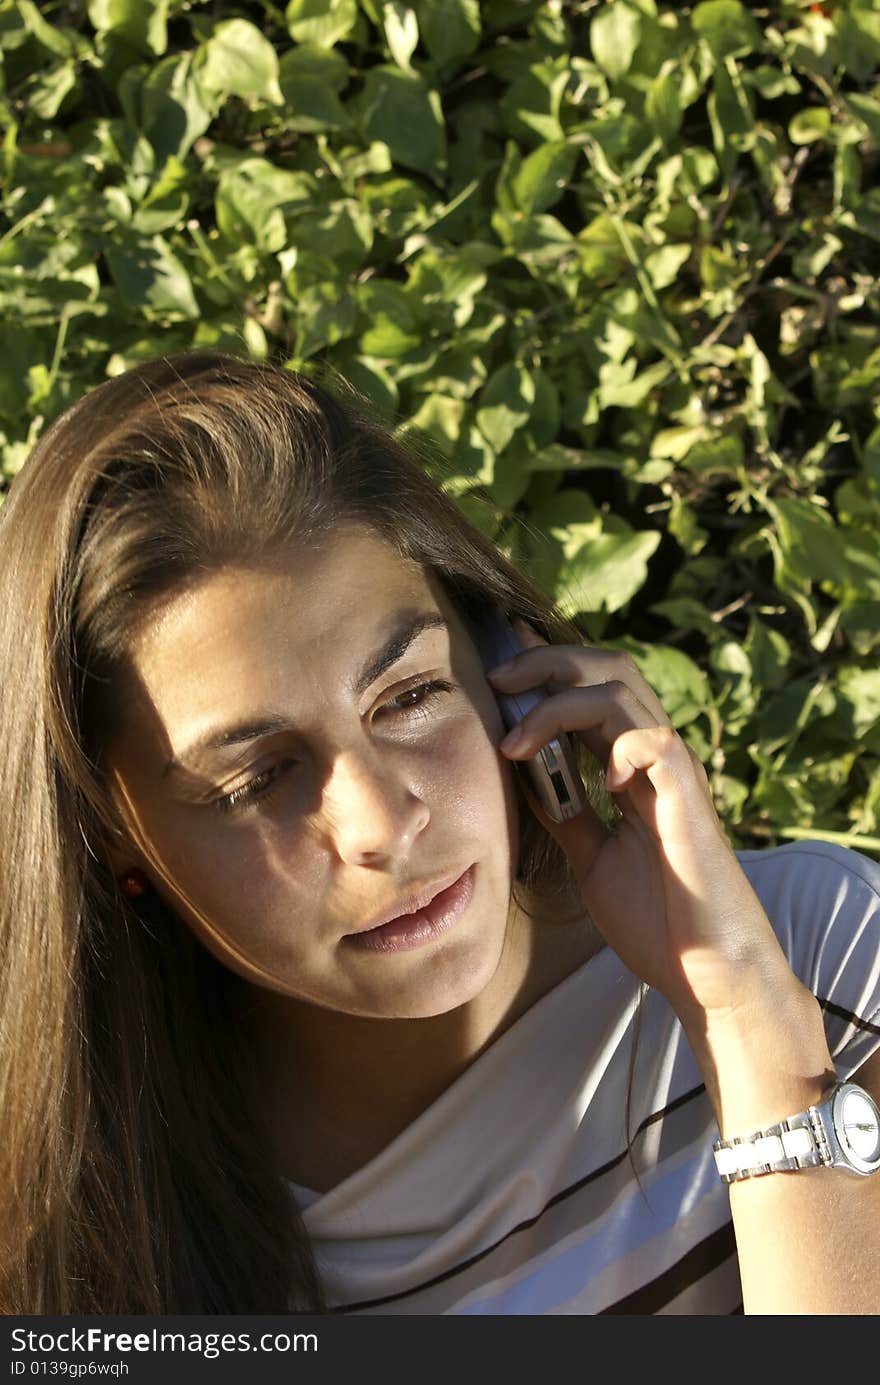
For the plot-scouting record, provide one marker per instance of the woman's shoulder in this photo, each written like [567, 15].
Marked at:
[813, 858]
[823, 900]
[813, 889]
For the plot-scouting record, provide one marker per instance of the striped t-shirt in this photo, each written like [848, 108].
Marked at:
[514, 1192]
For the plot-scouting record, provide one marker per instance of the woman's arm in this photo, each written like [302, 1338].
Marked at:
[670, 897]
[807, 1241]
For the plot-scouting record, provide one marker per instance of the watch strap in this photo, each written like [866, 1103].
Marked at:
[799, 1142]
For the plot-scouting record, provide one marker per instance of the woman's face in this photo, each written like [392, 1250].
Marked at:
[363, 790]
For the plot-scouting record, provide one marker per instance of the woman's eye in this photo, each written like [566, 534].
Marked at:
[413, 699]
[259, 787]
[424, 693]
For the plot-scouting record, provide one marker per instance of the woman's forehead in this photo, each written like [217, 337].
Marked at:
[306, 585]
[292, 613]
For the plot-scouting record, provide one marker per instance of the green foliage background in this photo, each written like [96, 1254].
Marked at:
[617, 261]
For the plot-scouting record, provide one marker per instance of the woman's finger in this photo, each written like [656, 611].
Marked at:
[621, 665]
[563, 665]
[599, 714]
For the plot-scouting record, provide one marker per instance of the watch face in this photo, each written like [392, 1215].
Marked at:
[857, 1122]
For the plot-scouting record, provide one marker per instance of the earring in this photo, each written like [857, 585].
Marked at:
[133, 883]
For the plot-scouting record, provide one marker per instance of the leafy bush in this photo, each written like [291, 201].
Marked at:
[617, 262]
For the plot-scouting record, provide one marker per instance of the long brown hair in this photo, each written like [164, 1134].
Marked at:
[134, 1176]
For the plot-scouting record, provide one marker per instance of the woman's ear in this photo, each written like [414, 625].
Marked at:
[121, 858]
[116, 851]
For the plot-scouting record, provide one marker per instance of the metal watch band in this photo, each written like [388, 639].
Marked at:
[799, 1142]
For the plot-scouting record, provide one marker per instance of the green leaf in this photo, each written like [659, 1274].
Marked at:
[322, 22]
[815, 549]
[680, 684]
[860, 687]
[505, 405]
[859, 35]
[14, 33]
[167, 104]
[402, 111]
[675, 443]
[310, 103]
[847, 177]
[545, 416]
[324, 65]
[866, 109]
[252, 198]
[449, 28]
[718, 454]
[663, 107]
[511, 163]
[49, 89]
[772, 83]
[614, 38]
[871, 455]
[401, 31]
[441, 418]
[342, 231]
[142, 23]
[498, 425]
[541, 178]
[147, 348]
[860, 622]
[395, 325]
[531, 104]
[622, 388]
[768, 653]
[601, 254]
[662, 266]
[809, 125]
[727, 28]
[396, 206]
[238, 61]
[310, 78]
[448, 285]
[858, 504]
[149, 275]
[61, 42]
[731, 115]
[815, 256]
[370, 378]
[606, 572]
[325, 314]
[846, 371]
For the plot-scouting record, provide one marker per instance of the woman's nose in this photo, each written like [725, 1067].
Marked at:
[371, 808]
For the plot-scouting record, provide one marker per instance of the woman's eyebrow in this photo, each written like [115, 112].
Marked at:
[407, 628]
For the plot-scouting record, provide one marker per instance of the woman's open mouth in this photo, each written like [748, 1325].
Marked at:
[413, 930]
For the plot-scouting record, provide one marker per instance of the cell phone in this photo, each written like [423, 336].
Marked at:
[553, 773]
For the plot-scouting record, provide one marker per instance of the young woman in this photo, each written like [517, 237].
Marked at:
[248, 722]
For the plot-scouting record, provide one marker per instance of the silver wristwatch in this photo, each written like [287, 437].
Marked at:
[843, 1131]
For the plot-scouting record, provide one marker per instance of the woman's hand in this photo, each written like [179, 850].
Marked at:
[664, 888]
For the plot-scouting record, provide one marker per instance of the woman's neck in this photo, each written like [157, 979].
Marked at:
[336, 1089]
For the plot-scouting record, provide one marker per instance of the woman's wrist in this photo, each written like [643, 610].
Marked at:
[763, 1060]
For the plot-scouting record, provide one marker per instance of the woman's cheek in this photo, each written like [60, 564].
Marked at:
[249, 926]
[468, 774]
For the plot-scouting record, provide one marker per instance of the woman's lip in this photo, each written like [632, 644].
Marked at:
[446, 882]
[412, 930]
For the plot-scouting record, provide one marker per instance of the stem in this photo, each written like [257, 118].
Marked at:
[820, 834]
